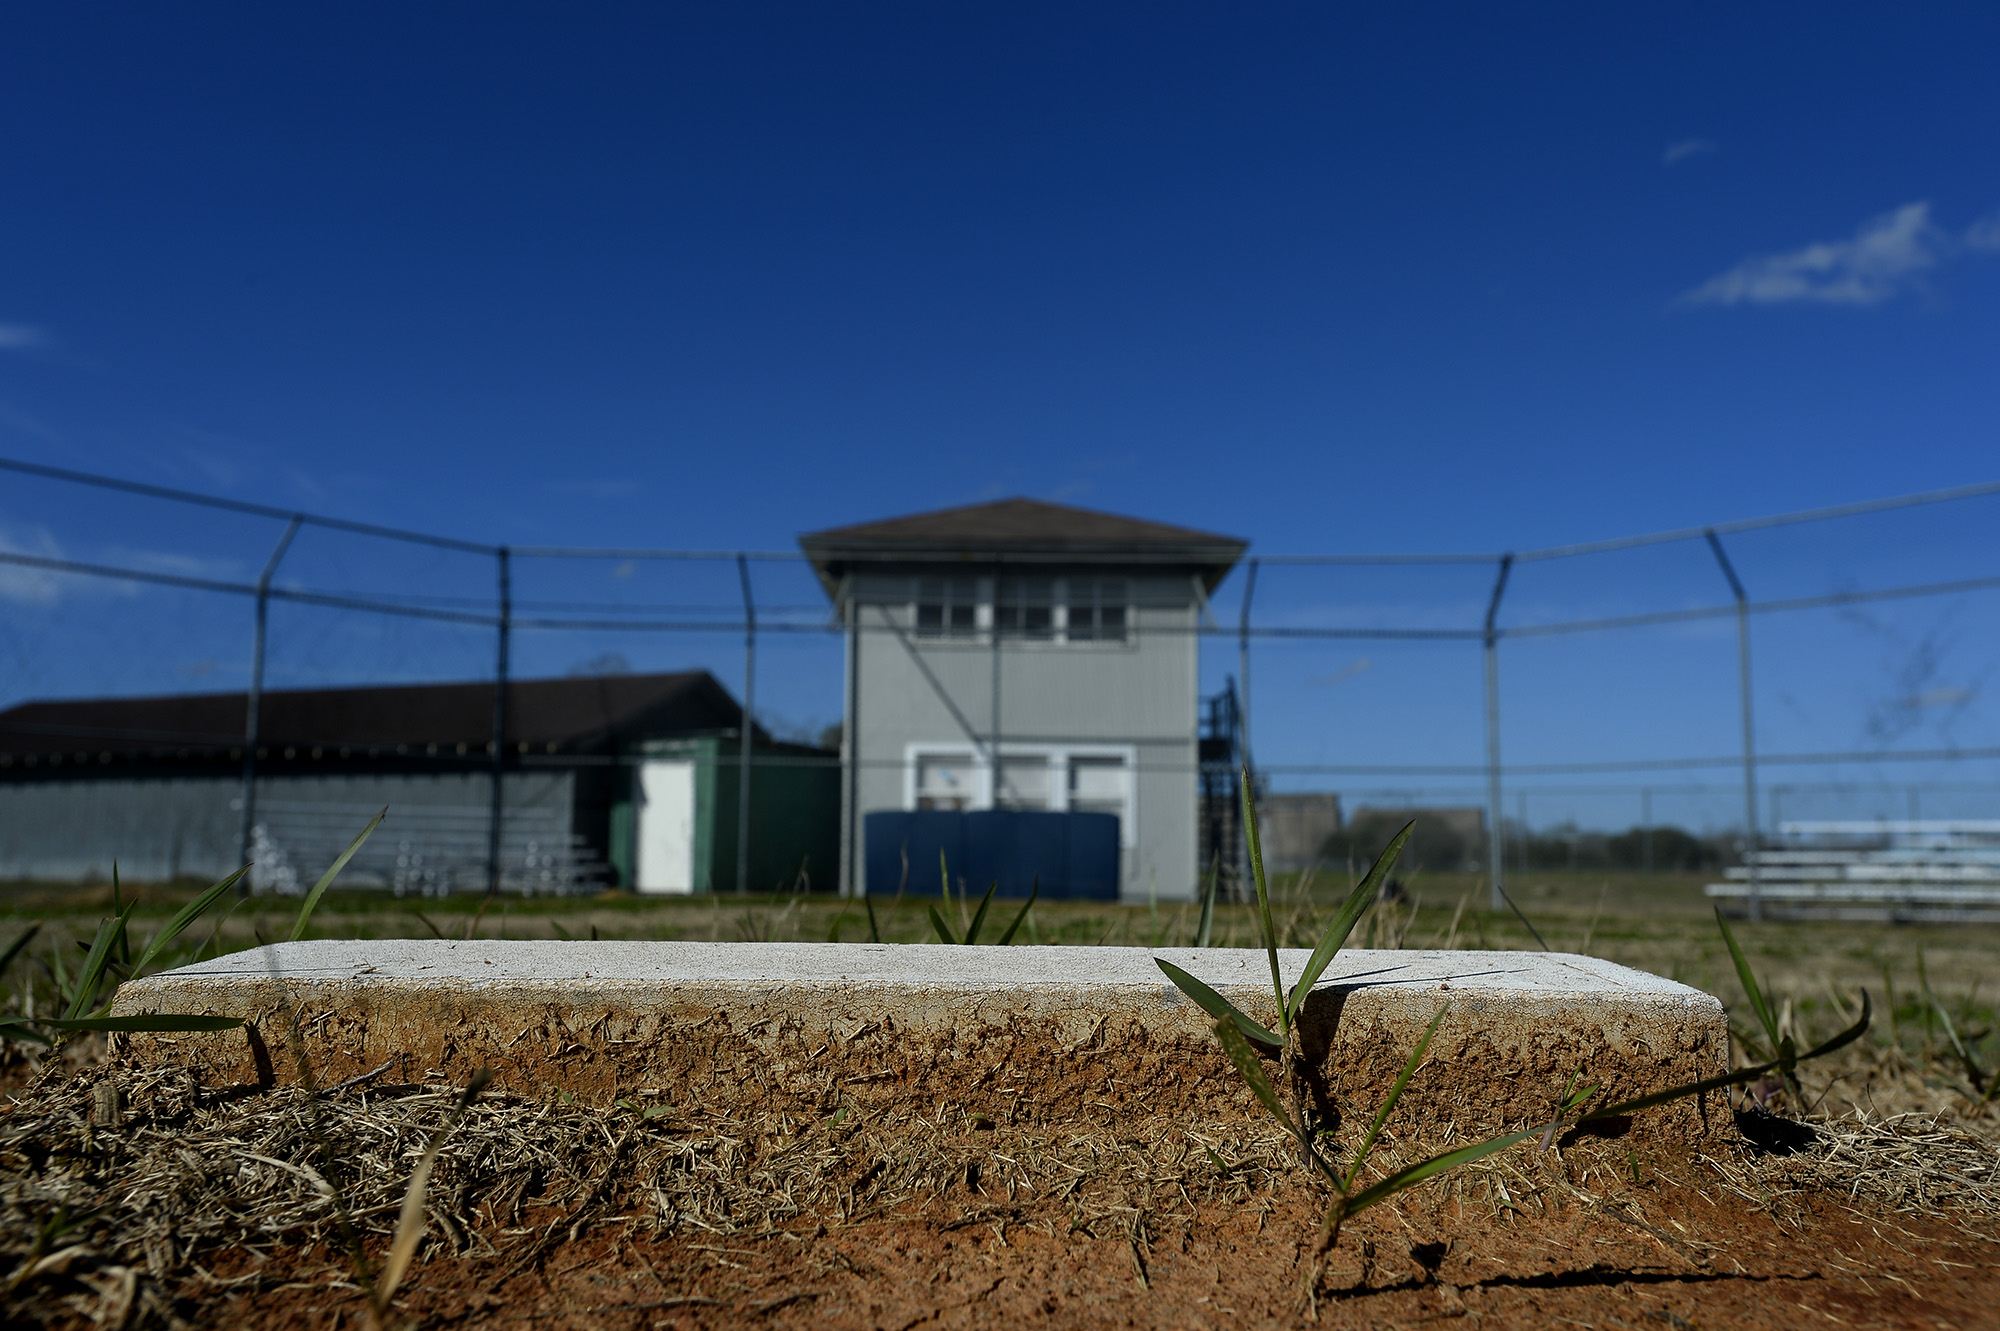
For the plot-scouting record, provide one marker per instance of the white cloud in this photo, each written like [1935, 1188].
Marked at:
[1886, 256]
[1686, 148]
[1984, 234]
[22, 337]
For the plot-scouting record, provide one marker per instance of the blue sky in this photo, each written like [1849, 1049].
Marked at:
[1417, 278]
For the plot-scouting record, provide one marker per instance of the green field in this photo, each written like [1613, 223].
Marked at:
[1655, 922]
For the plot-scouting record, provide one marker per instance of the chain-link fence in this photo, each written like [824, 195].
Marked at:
[1719, 681]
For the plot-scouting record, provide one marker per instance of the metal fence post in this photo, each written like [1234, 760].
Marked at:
[1495, 844]
[253, 722]
[498, 811]
[1646, 829]
[1249, 770]
[1750, 848]
[749, 698]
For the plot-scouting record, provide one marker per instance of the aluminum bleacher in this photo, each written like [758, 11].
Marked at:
[1914, 871]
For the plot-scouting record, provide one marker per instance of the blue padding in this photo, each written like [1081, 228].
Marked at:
[1075, 855]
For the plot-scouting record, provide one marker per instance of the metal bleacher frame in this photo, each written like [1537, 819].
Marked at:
[1925, 871]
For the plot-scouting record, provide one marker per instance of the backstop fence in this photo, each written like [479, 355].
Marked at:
[1723, 678]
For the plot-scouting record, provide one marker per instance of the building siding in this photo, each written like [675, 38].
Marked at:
[1138, 696]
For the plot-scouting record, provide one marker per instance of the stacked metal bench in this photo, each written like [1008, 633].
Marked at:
[1914, 871]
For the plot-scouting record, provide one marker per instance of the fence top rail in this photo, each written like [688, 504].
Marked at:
[176, 495]
[245, 506]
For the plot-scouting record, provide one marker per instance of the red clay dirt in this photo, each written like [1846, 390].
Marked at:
[1688, 1248]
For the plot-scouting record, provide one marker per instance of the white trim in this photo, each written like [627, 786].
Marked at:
[1058, 756]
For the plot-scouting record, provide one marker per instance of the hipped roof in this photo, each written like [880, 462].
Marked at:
[579, 714]
[1020, 530]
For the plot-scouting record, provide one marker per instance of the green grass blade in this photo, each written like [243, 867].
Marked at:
[1246, 1061]
[333, 871]
[1402, 1179]
[1034, 890]
[18, 946]
[1351, 910]
[17, 1028]
[1972, 1072]
[979, 916]
[1256, 847]
[1740, 1076]
[1215, 1005]
[943, 929]
[124, 943]
[91, 974]
[143, 1021]
[1204, 928]
[1395, 1094]
[874, 932]
[1765, 1017]
[186, 916]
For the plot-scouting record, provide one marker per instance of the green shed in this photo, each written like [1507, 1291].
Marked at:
[676, 830]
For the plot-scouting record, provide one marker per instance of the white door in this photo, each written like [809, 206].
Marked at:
[666, 826]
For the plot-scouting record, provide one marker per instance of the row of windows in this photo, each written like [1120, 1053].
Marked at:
[1037, 609]
[1040, 780]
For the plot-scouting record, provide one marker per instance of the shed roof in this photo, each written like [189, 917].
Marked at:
[1024, 530]
[577, 714]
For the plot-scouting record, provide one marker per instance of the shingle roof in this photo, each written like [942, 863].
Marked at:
[1021, 529]
[572, 714]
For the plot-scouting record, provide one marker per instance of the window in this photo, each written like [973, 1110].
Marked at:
[1024, 782]
[946, 781]
[1097, 609]
[1027, 608]
[1097, 785]
[947, 608]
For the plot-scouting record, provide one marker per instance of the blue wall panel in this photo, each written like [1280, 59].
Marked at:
[1075, 855]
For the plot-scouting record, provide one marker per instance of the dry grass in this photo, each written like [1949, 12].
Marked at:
[131, 1195]
[173, 1193]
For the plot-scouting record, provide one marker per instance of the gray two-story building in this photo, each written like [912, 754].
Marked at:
[1022, 688]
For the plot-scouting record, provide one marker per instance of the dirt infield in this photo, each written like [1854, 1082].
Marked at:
[217, 1209]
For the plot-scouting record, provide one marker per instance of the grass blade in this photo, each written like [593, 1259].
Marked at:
[142, 1021]
[1765, 1017]
[410, 1220]
[1351, 910]
[943, 929]
[1215, 1005]
[1739, 1077]
[1395, 1094]
[1355, 1203]
[1034, 891]
[1972, 1072]
[1256, 848]
[1204, 926]
[979, 916]
[124, 943]
[333, 871]
[1246, 1061]
[18, 1028]
[91, 975]
[19, 945]
[185, 916]
[874, 933]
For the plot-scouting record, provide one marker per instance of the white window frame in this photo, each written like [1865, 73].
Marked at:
[986, 616]
[1058, 757]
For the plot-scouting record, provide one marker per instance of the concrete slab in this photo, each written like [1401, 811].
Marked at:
[1050, 1037]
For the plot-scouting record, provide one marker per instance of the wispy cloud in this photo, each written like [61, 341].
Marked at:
[1686, 148]
[22, 337]
[1885, 257]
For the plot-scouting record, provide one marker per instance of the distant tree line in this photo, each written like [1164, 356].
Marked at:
[1446, 845]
